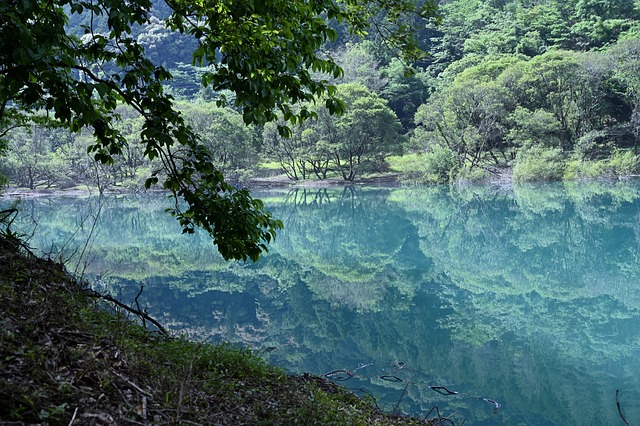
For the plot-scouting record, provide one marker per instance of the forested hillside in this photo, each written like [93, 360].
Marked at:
[547, 89]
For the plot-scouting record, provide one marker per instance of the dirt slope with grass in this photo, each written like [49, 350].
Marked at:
[68, 356]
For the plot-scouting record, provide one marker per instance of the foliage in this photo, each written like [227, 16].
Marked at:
[440, 165]
[500, 76]
[494, 108]
[359, 66]
[409, 166]
[533, 128]
[513, 76]
[294, 153]
[225, 135]
[538, 163]
[263, 52]
[472, 27]
[624, 163]
[347, 145]
[619, 164]
[367, 133]
[45, 156]
[470, 174]
[468, 117]
[404, 94]
[577, 168]
[31, 163]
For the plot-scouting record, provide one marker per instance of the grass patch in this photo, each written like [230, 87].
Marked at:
[436, 166]
[270, 165]
[406, 163]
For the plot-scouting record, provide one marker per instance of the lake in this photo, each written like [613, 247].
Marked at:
[504, 306]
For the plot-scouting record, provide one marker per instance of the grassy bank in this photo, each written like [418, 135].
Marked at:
[68, 356]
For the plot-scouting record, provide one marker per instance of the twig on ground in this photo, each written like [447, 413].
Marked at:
[75, 413]
[133, 385]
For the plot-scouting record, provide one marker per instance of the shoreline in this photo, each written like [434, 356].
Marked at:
[498, 178]
[277, 182]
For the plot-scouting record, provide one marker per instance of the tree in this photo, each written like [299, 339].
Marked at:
[531, 128]
[572, 86]
[626, 57]
[359, 66]
[367, 132]
[468, 116]
[346, 144]
[223, 132]
[263, 52]
[291, 151]
[460, 20]
[405, 93]
[30, 161]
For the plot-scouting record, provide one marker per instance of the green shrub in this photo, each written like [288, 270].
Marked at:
[538, 163]
[584, 169]
[409, 167]
[594, 145]
[623, 163]
[440, 165]
[475, 174]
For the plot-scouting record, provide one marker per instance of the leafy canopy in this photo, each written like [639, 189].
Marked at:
[264, 51]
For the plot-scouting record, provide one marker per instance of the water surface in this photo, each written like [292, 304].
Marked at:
[528, 298]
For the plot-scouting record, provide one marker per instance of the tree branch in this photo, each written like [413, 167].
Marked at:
[139, 313]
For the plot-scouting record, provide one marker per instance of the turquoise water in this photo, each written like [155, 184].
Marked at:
[525, 298]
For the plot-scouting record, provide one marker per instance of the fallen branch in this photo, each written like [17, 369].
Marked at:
[133, 385]
[620, 409]
[142, 315]
[144, 324]
[404, 391]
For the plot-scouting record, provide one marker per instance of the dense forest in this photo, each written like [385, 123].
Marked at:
[543, 89]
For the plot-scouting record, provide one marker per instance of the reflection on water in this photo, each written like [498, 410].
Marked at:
[462, 298]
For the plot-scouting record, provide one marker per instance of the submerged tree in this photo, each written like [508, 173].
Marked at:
[265, 52]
